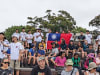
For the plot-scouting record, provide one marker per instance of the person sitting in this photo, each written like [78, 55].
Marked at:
[56, 43]
[79, 49]
[85, 45]
[98, 61]
[63, 45]
[5, 69]
[60, 62]
[76, 61]
[32, 55]
[41, 68]
[53, 53]
[71, 48]
[92, 69]
[69, 69]
[42, 43]
[89, 59]
[89, 50]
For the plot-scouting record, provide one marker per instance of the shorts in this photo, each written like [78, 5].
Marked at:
[15, 64]
[53, 58]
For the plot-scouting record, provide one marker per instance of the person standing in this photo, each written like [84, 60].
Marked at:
[15, 48]
[16, 33]
[22, 35]
[88, 37]
[29, 38]
[41, 68]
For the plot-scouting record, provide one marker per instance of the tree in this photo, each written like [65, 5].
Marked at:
[8, 32]
[95, 22]
[56, 22]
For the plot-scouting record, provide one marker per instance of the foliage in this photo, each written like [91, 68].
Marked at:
[95, 22]
[56, 22]
[78, 30]
[8, 32]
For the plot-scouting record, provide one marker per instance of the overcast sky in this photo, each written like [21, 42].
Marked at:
[15, 12]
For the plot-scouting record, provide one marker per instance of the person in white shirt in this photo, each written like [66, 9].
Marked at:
[38, 37]
[16, 33]
[29, 38]
[98, 38]
[15, 48]
[47, 34]
[88, 37]
[72, 37]
[22, 35]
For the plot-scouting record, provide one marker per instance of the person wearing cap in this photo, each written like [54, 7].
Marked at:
[89, 59]
[32, 55]
[92, 69]
[41, 68]
[16, 48]
[69, 69]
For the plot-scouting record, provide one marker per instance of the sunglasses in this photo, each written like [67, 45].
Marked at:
[6, 62]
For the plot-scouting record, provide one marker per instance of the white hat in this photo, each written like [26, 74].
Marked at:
[15, 36]
[92, 65]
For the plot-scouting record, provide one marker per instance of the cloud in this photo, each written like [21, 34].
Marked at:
[15, 12]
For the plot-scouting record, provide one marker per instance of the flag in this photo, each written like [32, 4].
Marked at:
[52, 37]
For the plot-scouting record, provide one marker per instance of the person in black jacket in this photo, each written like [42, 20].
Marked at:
[41, 68]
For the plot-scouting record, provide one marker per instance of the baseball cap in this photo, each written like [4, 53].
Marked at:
[41, 58]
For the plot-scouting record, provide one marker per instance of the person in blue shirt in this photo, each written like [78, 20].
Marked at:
[32, 54]
[41, 52]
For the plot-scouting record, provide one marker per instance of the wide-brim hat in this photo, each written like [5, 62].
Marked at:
[69, 62]
[92, 65]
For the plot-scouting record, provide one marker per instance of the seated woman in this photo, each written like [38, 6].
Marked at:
[42, 44]
[32, 55]
[60, 62]
[76, 61]
[98, 61]
[71, 48]
[92, 69]
[79, 49]
[63, 45]
[89, 59]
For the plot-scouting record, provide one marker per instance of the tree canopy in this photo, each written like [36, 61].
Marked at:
[56, 22]
[95, 22]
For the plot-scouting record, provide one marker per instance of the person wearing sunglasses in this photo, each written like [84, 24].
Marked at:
[5, 69]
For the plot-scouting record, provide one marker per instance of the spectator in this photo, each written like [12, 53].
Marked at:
[72, 37]
[92, 69]
[98, 38]
[5, 70]
[88, 37]
[76, 61]
[89, 50]
[69, 70]
[29, 38]
[63, 45]
[71, 48]
[16, 33]
[16, 48]
[41, 68]
[98, 61]
[81, 38]
[60, 62]
[32, 55]
[95, 46]
[89, 59]
[56, 43]
[38, 37]
[22, 35]
[80, 49]
[98, 49]
[85, 45]
[42, 44]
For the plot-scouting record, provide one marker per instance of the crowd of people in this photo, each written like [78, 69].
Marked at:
[30, 50]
